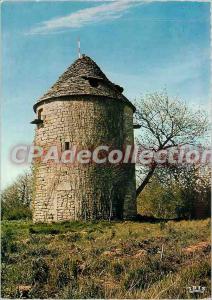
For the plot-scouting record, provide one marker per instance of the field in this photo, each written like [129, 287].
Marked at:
[106, 260]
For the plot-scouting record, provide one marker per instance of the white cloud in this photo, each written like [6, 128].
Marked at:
[183, 79]
[106, 11]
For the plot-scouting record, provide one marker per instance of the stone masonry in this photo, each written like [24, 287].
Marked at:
[84, 119]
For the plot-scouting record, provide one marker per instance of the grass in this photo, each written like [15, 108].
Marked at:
[104, 260]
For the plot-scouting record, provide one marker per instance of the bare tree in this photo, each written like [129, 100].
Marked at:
[166, 123]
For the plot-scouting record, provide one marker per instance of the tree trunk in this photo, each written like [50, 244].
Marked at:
[146, 180]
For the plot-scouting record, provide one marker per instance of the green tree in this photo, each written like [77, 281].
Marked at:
[177, 192]
[16, 198]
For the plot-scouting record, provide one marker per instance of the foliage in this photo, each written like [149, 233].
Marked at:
[16, 199]
[6, 241]
[177, 192]
[66, 226]
[159, 202]
[40, 272]
[121, 261]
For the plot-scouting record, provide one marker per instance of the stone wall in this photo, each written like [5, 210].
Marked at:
[84, 191]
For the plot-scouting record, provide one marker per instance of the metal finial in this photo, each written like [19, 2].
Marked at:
[79, 50]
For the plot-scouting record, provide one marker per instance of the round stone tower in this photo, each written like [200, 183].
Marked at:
[83, 110]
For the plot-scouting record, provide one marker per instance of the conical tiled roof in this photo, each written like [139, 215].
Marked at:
[84, 77]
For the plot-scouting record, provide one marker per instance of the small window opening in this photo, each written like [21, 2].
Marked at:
[94, 82]
[40, 113]
[66, 145]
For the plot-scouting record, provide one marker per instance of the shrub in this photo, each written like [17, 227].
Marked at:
[64, 274]
[6, 241]
[177, 192]
[118, 269]
[16, 199]
[43, 229]
[40, 271]
[17, 213]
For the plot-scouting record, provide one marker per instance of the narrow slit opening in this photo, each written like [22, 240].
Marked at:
[66, 145]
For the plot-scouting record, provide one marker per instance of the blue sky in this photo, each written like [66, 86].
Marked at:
[143, 46]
